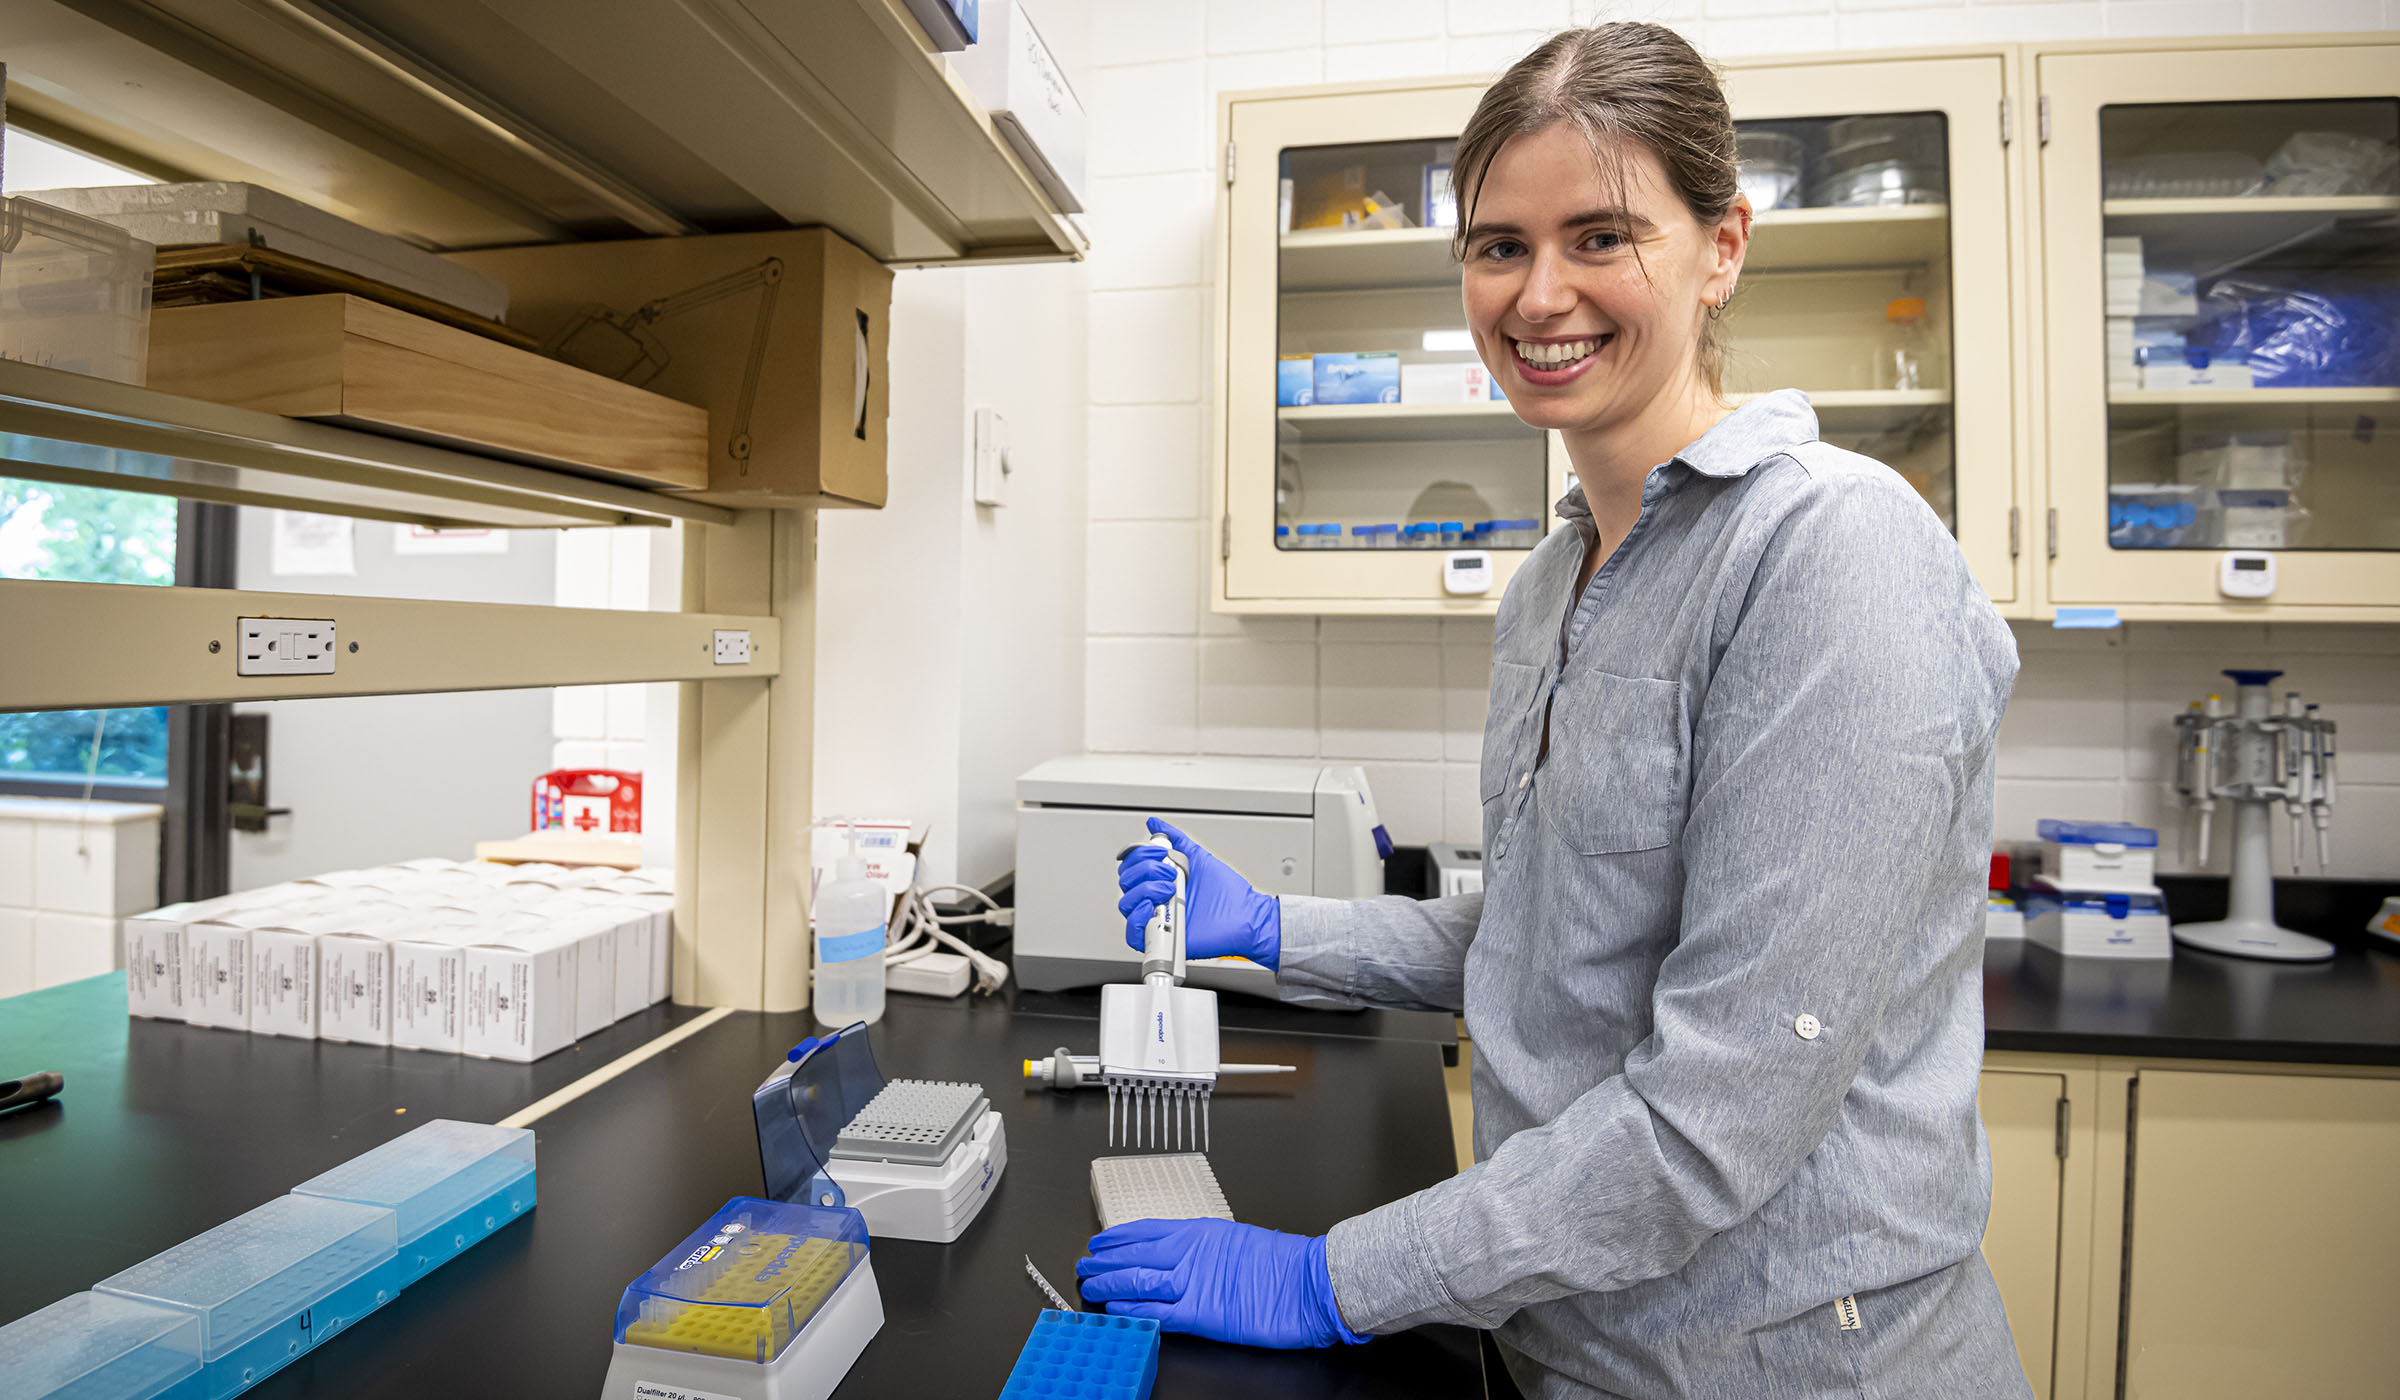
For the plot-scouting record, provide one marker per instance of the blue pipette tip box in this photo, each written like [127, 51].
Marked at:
[97, 1344]
[452, 1184]
[1089, 1356]
[271, 1284]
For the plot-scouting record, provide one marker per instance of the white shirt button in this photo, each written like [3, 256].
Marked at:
[1807, 1026]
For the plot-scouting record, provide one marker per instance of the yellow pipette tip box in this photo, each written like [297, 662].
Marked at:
[747, 1284]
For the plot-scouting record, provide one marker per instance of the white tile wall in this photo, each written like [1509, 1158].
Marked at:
[2087, 733]
[64, 882]
[16, 951]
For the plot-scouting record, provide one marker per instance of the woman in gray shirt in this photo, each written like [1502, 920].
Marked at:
[1724, 979]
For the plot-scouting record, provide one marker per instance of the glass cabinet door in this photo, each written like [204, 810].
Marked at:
[1878, 275]
[2224, 231]
[1366, 446]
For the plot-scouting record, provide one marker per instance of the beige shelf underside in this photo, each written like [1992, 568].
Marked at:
[2251, 398]
[1318, 260]
[1470, 422]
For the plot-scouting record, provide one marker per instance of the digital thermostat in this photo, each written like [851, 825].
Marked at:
[2246, 573]
[1467, 571]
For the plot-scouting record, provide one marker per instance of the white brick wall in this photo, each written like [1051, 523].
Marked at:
[2087, 734]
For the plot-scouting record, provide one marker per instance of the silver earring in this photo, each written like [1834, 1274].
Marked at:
[1724, 297]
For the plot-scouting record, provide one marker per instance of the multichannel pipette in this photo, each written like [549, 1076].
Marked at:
[1158, 1040]
[1061, 1069]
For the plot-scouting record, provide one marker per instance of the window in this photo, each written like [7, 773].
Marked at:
[86, 535]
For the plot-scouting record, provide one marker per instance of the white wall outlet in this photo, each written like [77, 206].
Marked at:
[284, 646]
[992, 467]
[733, 647]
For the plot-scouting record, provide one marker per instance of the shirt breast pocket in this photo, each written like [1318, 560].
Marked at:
[1509, 729]
[1614, 780]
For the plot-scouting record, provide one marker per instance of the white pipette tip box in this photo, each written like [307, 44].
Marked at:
[2098, 923]
[451, 1184]
[767, 1301]
[1169, 1186]
[98, 1344]
[272, 1284]
[920, 1160]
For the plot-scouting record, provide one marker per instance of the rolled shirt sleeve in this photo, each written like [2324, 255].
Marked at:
[1836, 760]
[1396, 953]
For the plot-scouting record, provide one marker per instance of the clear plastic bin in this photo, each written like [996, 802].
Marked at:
[273, 1283]
[746, 1284]
[97, 1344]
[451, 1183]
[74, 292]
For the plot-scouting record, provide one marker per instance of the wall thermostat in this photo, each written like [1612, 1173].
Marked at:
[1467, 571]
[2246, 573]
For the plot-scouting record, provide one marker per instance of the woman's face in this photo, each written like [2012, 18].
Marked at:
[1580, 333]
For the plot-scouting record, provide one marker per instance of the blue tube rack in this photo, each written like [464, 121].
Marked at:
[1078, 1354]
[97, 1344]
[451, 1184]
[272, 1284]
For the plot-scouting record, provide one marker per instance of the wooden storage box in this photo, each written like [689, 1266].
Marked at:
[780, 336]
[360, 363]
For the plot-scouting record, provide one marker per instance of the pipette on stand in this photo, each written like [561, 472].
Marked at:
[2294, 770]
[2322, 794]
[2203, 762]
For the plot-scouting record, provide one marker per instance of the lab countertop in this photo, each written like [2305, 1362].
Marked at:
[166, 1130]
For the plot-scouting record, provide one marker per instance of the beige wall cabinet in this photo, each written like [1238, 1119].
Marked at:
[2192, 198]
[1876, 179]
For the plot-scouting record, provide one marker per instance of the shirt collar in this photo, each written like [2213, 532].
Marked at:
[1758, 430]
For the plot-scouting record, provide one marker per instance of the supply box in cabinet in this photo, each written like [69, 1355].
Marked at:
[782, 337]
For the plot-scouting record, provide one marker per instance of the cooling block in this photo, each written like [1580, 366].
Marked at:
[1091, 1356]
[272, 1283]
[450, 1183]
[1172, 1186]
[97, 1346]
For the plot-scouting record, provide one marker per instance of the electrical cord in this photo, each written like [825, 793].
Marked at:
[922, 931]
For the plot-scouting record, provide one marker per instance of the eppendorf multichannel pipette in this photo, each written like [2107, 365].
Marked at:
[1158, 1040]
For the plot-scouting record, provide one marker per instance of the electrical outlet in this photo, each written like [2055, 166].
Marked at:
[284, 646]
[733, 648]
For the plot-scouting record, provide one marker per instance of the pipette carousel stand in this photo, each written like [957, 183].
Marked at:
[2255, 759]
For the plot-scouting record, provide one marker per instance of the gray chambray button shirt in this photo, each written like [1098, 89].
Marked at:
[1725, 976]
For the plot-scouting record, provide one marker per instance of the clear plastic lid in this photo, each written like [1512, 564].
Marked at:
[801, 1108]
[431, 1174]
[745, 1284]
[99, 1344]
[2043, 896]
[261, 1267]
[2095, 833]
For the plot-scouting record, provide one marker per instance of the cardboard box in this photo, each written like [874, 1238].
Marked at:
[594, 933]
[429, 984]
[520, 996]
[283, 982]
[815, 433]
[1295, 381]
[1022, 86]
[154, 946]
[1447, 382]
[216, 973]
[1367, 376]
[354, 987]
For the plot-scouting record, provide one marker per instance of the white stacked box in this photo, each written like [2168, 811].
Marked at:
[2122, 266]
[467, 957]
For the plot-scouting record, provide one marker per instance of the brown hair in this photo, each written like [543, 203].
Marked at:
[1615, 83]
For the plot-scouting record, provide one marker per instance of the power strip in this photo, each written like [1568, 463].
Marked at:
[933, 975]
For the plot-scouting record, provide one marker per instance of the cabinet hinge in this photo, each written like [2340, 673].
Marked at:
[2008, 124]
[1224, 537]
[2013, 522]
[2051, 528]
[2041, 112]
[2064, 1117]
[1229, 162]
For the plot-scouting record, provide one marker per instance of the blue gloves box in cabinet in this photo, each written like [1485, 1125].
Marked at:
[225, 1309]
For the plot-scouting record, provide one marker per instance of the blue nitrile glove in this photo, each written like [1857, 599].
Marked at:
[1217, 1279]
[1222, 914]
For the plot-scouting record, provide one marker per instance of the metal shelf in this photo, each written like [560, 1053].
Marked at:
[1782, 240]
[77, 430]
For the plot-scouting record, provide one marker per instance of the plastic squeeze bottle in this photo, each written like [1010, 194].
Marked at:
[849, 921]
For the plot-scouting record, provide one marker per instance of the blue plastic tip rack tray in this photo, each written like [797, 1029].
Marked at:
[1086, 1356]
[451, 1184]
[271, 1284]
[97, 1344]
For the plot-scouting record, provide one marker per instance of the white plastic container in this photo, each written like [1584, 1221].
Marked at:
[2099, 855]
[74, 292]
[2098, 923]
[850, 913]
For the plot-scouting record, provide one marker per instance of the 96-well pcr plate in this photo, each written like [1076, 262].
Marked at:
[1171, 1186]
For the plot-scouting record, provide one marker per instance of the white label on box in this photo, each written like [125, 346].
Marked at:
[283, 983]
[216, 975]
[154, 968]
[660, 1390]
[1448, 382]
[354, 984]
